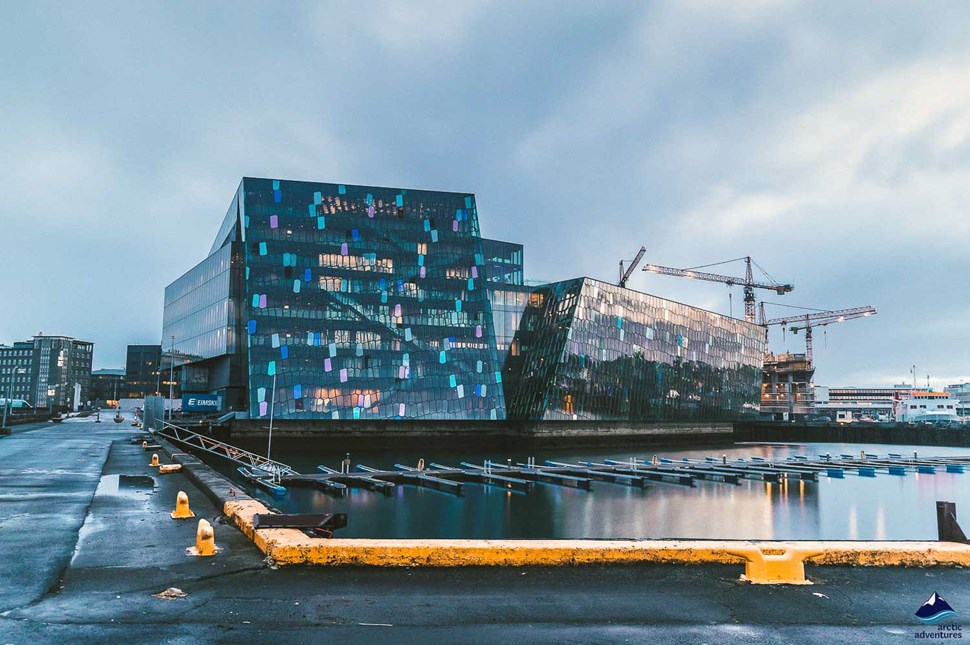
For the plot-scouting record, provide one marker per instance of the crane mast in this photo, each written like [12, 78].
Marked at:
[748, 282]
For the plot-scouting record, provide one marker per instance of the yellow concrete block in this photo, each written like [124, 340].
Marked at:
[784, 568]
[169, 468]
[766, 562]
[182, 510]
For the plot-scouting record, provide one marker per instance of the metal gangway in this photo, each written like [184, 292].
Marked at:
[257, 462]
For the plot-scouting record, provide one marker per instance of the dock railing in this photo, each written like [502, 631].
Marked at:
[276, 469]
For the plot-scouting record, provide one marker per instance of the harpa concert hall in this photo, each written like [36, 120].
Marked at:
[332, 302]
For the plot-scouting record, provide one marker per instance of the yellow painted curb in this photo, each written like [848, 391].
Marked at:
[290, 546]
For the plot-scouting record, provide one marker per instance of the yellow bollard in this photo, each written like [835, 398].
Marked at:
[155, 461]
[182, 509]
[144, 444]
[786, 568]
[205, 540]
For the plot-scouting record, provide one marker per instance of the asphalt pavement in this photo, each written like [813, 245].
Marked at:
[86, 540]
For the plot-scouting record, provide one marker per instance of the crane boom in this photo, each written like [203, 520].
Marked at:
[747, 282]
[714, 277]
[625, 275]
[818, 319]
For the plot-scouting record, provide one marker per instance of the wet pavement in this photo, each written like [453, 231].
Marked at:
[86, 540]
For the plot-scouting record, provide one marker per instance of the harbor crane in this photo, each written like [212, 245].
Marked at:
[807, 321]
[625, 275]
[748, 281]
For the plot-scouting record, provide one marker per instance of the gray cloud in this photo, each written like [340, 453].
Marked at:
[830, 141]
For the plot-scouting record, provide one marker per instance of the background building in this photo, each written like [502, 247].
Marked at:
[61, 372]
[142, 375]
[847, 404]
[56, 371]
[15, 371]
[331, 301]
[107, 387]
[961, 394]
[900, 403]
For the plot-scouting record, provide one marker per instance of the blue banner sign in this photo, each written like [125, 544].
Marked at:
[200, 403]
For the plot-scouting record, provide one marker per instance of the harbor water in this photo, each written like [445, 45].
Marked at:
[885, 507]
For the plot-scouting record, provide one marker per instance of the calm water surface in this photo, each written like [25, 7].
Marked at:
[854, 508]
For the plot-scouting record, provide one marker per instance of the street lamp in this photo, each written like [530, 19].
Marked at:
[171, 379]
[7, 402]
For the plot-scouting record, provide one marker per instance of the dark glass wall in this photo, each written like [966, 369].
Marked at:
[142, 376]
[503, 262]
[591, 350]
[367, 303]
[107, 385]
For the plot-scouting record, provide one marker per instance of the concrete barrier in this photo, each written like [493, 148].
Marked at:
[291, 547]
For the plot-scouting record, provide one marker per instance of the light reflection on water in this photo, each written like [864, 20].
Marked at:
[854, 508]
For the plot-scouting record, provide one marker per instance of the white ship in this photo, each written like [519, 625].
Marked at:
[926, 407]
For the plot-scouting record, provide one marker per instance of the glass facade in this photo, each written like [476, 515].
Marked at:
[594, 351]
[508, 305]
[199, 312]
[333, 301]
[367, 303]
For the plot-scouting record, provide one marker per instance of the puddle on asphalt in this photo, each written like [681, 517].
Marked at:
[126, 484]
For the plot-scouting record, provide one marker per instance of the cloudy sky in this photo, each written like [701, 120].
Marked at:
[830, 141]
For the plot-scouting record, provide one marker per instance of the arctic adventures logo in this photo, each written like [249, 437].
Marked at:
[933, 612]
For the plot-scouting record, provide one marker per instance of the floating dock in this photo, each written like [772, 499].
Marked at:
[637, 473]
[523, 477]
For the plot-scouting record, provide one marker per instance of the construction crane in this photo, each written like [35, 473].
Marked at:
[625, 275]
[747, 281]
[807, 321]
